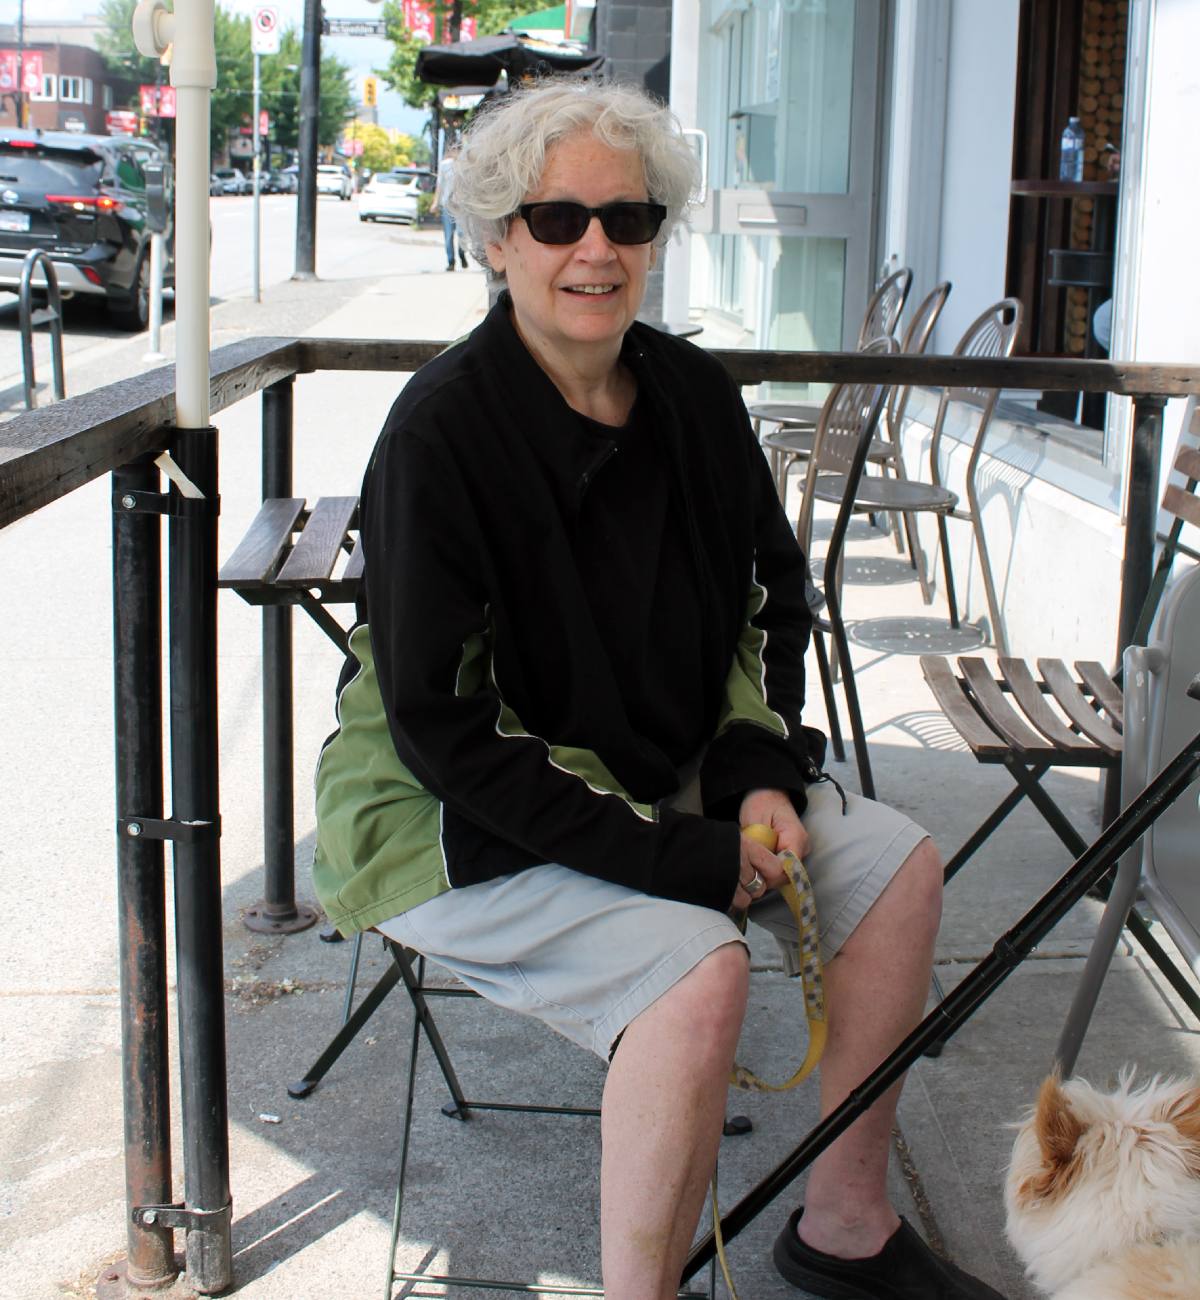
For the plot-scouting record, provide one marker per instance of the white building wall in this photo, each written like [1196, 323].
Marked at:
[980, 88]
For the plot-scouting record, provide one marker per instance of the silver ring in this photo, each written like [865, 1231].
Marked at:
[754, 886]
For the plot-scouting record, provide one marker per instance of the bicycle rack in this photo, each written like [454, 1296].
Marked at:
[50, 314]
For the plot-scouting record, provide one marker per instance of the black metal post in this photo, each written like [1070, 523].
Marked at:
[1141, 529]
[310, 111]
[194, 791]
[278, 913]
[141, 895]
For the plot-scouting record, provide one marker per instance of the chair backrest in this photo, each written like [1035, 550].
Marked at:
[845, 427]
[885, 308]
[916, 339]
[993, 333]
[1159, 719]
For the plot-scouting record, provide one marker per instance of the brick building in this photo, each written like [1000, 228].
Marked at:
[75, 88]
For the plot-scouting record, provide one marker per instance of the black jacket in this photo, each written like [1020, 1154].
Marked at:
[488, 669]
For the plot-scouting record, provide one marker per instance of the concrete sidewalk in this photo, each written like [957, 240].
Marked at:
[504, 1195]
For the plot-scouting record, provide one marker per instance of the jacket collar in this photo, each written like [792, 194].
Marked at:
[551, 426]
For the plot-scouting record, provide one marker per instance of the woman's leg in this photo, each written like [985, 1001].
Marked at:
[875, 990]
[664, 1103]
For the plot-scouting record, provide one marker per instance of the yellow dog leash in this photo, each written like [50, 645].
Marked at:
[797, 892]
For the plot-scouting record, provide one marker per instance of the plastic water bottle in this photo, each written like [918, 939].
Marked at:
[1070, 167]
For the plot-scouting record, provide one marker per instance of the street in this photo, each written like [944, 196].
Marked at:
[350, 252]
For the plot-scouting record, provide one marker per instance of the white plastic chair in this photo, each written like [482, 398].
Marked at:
[1163, 868]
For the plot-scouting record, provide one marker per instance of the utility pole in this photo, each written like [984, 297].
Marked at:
[310, 111]
[21, 64]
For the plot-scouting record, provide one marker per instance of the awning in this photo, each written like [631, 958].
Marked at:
[480, 62]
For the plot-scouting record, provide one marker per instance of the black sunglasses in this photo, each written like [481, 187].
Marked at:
[563, 222]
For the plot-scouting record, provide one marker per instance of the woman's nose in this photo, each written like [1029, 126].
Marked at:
[594, 244]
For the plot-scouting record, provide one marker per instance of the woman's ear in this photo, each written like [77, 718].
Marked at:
[495, 257]
[653, 255]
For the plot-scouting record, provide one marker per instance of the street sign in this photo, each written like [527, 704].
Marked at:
[264, 31]
[353, 27]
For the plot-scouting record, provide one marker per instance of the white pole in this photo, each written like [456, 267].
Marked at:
[193, 74]
[256, 229]
[156, 288]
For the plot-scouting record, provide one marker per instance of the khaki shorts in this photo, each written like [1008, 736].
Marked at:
[587, 956]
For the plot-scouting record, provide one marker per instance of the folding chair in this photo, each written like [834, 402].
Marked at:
[409, 969]
[1164, 867]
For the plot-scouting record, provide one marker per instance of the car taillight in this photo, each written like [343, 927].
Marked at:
[80, 202]
[92, 274]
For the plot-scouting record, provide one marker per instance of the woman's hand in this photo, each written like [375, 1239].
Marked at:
[771, 808]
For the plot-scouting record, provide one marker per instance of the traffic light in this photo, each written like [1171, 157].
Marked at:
[370, 91]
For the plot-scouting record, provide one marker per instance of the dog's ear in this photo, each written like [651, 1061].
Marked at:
[1183, 1111]
[1058, 1131]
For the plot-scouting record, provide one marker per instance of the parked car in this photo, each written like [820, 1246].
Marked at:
[81, 198]
[392, 196]
[277, 182]
[233, 181]
[332, 179]
[215, 184]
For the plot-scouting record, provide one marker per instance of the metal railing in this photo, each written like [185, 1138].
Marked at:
[122, 430]
[50, 314]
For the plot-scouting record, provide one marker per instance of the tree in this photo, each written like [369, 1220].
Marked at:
[491, 16]
[233, 97]
[382, 149]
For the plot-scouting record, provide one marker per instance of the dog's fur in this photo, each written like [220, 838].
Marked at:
[1103, 1191]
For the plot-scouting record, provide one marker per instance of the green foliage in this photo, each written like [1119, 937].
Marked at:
[491, 16]
[233, 98]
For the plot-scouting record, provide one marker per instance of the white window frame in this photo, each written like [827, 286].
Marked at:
[88, 90]
[70, 89]
[106, 96]
[49, 90]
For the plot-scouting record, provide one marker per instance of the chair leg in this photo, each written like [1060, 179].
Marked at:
[1108, 935]
[917, 556]
[406, 1139]
[999, 634]
[352, 978]
[857, 731]
[947, 569]
[831, 709]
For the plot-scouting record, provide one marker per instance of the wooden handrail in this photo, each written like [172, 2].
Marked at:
[46, 454]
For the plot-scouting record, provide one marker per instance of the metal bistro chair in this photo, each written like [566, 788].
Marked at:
[991, 334]
[792, 441]
[881, 319]
[845, 431]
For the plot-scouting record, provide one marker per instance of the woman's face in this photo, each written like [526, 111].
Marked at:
[581, 296]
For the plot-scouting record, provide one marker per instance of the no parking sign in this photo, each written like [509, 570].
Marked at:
[264, 31]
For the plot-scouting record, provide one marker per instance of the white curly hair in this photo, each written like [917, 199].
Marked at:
[502, 154]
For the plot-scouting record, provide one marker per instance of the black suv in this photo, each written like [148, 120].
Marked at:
[81, 198]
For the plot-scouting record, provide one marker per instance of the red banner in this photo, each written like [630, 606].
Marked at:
[31, 71]
[157, 101]
[419, 19]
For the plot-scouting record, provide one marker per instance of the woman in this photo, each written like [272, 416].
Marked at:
[578, 667]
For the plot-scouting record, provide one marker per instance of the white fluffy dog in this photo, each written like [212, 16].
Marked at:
[1103, 1192]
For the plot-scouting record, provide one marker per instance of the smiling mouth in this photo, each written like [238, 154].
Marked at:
[591, 290]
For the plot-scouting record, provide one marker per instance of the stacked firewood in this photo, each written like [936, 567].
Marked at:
[1101, 104]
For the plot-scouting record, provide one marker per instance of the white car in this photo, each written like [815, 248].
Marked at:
[392, 196]
[332, 179]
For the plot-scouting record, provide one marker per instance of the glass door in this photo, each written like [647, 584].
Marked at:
[792, 126]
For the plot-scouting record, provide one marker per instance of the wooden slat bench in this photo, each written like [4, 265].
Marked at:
[289, 556]
[1029, 724]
